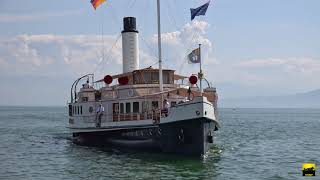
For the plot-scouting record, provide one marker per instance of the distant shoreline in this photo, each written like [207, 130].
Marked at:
[220, 107]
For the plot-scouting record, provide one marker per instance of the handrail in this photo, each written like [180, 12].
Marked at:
[207, 82]
[75, 83]
[116, 117]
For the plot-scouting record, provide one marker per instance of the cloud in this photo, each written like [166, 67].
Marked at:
[186, 39]
[72, 55]
[69, 56]
[303, 65]
[64, 55]
[262, 63]
[56, 55]
[273, 75]
[190, 33]
[172, 38]
[8, 18]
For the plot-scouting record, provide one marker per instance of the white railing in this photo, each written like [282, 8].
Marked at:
[115, 117]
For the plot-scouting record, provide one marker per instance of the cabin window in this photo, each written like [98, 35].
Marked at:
[173, 103]
[152, 77]
[146, 77]
[166, 79]
[155, 77]
[115, 108]
[70, 110]
[135, 107]
[121, 108]
[145, 106]
[80, 109]
[128, 107]
[155, 104]
[97, 95]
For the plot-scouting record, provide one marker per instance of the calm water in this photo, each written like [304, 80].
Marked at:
[252, 144]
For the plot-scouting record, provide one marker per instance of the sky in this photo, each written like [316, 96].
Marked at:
[250, 47]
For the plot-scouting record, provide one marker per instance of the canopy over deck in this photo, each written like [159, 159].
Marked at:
[149, 69]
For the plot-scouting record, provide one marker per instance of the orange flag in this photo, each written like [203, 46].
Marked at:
[97, 3]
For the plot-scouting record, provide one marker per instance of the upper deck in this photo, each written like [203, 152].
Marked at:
[131, 98]
[139, 83]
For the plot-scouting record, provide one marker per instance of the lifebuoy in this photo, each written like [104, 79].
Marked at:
[130, 92]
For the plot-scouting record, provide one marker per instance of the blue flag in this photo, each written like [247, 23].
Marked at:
[199, 11]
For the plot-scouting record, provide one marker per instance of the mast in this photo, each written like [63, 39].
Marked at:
[159, 47]
[200, 73]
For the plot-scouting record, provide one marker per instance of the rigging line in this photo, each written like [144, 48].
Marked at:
[184, 58]
[153, 51]
[102, 34]
[166, 66]
[173, 22]
[133, 2]
[188, 49]
[115, 18]
[109, 53]
[185, 61]
[154, 63]
[171, 17]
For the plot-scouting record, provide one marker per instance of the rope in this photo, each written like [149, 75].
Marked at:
[115, 18]
[188, 47]
[133, 2]
[171, 17]
[102, 34]
[185, 61]
[153, 51]
[109, 53]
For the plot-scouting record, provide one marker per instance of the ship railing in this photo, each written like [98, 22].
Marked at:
[116, 117]
[148, 115]
[94, 118]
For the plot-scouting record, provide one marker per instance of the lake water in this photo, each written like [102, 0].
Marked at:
[251, 144]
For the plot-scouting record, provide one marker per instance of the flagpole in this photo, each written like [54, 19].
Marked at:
[200, 73]
[160, 56]
[159, 47]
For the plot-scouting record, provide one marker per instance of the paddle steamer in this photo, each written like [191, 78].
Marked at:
[150, 108]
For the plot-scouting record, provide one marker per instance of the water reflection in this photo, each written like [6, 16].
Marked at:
[124, 163]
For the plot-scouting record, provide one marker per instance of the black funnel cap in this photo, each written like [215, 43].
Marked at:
[129, 24]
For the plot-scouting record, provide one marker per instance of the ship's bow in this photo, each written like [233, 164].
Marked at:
[189, 127]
